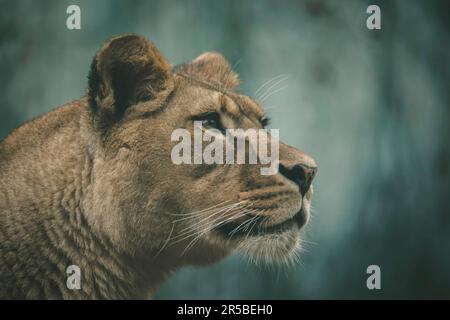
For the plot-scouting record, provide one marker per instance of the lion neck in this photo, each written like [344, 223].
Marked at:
[44, 197]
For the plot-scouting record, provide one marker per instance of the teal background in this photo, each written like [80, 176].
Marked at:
[372, 107]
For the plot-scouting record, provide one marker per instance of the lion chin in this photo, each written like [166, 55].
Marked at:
[277, 244]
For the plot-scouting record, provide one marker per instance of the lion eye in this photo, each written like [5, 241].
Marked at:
[211, 120]
[265, 121]
[210, 123]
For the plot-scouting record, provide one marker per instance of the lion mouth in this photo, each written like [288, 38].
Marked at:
[259, 228]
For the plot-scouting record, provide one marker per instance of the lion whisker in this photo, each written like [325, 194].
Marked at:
[249, 231]
[166, 242]
[193, 226]
[193, 217]
[235, 216]
[232, 232]
[199, 211]
[261, 97]
[267, 83]
[203, 226]
[209, 229]
[272, 93]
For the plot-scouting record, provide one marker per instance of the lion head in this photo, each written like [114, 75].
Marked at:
[186, 213]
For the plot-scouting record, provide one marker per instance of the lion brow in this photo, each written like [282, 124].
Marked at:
[213, 87]
[203, 83]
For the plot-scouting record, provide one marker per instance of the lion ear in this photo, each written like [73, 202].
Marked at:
[211, 67]
[126, 70]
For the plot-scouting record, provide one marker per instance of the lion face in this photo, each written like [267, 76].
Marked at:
[195, 213]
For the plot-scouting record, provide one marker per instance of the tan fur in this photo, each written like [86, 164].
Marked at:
[92, 183]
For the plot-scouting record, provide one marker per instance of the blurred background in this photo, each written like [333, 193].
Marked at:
[371, 106]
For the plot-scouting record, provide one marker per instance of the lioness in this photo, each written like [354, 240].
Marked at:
[92, 183]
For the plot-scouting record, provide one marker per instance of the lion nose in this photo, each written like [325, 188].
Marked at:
[302, 175]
